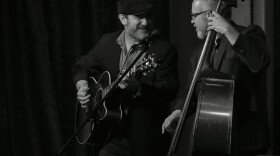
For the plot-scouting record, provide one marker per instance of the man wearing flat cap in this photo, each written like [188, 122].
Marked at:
[147, 96]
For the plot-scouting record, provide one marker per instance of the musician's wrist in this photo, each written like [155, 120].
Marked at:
[232, 34]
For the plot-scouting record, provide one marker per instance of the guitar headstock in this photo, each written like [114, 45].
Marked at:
[148, 64]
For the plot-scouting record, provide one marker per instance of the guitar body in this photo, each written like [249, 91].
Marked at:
[98, 129]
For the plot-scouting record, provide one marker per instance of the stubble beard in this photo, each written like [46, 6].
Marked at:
[139, 34]
[201, 34]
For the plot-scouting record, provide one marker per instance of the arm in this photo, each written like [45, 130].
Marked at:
[251, 47]
[83, 68]
[87, 65]
[177, 105]
[249, 44]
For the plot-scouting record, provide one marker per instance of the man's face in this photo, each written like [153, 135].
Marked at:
[138, 26]
[199, 21]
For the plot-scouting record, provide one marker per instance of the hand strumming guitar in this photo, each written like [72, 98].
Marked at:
[83, 92]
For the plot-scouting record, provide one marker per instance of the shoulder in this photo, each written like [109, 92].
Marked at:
[164, 51]
[162, 43]
[250, 30]
[109, 37]
[255, 30]
[163, 46]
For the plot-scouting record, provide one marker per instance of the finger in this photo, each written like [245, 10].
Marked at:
[211, 18]
[122, 85]
[170, 130]
[85, 87]
[210, 23]
[210, 28]
[209, 14]
[214, 13]
[84, 106]
[81, 93]
[162, 128]
[126, 78]
[165, 125]
[84, 103]
[83, 98]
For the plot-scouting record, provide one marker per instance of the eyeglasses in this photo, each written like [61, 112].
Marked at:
[196, 14]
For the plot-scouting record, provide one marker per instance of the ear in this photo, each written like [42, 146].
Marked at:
[123, 19]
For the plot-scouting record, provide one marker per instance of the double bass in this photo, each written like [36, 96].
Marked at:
[211, 124]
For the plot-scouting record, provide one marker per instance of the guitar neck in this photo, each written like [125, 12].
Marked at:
[144, 67]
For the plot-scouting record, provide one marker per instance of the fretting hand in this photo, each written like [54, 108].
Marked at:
[219, 24]
[129, 84]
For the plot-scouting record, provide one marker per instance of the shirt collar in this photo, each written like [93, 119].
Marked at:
[121, 40]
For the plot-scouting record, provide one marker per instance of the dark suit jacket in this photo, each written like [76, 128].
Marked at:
[158, 88]
[246, 61]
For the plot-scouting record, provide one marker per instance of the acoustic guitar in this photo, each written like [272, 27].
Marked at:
[98, 129]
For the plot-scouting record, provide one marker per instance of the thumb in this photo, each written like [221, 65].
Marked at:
[162, 129]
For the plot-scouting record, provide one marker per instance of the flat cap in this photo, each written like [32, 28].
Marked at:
[134, 7]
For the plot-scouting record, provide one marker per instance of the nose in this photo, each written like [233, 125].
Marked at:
[144, 21]
[192, 20]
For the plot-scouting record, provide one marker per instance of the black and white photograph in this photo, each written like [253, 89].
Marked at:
[139, 78]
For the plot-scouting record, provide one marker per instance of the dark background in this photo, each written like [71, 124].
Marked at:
[42, 39]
